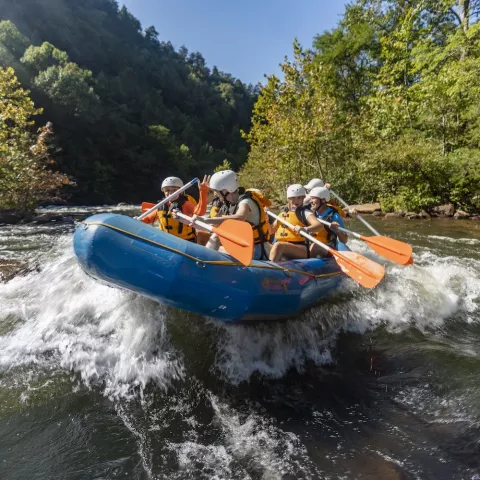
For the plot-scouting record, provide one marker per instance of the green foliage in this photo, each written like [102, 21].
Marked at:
[297, 129]
[464, 178]
[25, 174]
[64, 82]
[385, 107]
[224, 166]
[12, 44]
[406, 174]
[107, 85]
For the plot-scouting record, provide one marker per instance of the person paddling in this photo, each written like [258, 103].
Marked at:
[319, 202]
[289, 243]
[183, 202]
[213, 211]
[240, 204]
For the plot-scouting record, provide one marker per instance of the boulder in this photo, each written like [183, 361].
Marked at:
[393, 215]
[424, 215]
[412, 215]
[366, 208]
[68, 219]
[460, 215]
[54, 202]
[378, 214]
[48, 218]
[475, 218]
[11, 268]
[446, 210]
[10, 217]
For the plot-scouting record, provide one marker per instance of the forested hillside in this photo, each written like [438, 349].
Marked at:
[386, 106]
[127, 108]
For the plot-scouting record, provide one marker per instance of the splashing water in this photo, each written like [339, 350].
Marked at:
[204, 399]
[60, 318]
[115, 337]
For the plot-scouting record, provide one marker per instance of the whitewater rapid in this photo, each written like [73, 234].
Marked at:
[58, 317]
[205, 399]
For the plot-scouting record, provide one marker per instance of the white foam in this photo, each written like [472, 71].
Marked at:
[270, 350]
[424, 295]
[464, 241]
[250, 443]
[60, 318]
[87, 210]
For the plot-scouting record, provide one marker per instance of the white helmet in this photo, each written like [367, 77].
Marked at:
[296, 190]
[172, 182]
[320, 192]
[314, 182]
[224, 180]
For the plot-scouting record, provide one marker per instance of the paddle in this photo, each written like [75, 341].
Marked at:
[167, 199]
[390, 248]
[345, 204]
[364, 271]
[236, 237]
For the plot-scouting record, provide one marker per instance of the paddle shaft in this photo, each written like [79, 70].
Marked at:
[392, 249]
[328, 224]
[211, 229]
[166, 200]
[345, 204]
[204, 225]
[303, 234]
[363, 270]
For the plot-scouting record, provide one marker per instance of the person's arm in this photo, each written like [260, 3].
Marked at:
[204, 187]
[274, 227]
[338, 222]
[242, 214]
[313, 224]
[188, 208]
[150, 218]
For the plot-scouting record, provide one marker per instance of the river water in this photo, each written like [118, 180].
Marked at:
[100, 383]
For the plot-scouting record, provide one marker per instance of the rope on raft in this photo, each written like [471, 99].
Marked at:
[212, 262]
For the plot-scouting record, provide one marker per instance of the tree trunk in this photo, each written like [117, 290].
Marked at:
[464, 13]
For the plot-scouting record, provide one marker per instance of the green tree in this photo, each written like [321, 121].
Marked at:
[26, 177]
[103, 80]
[297, 129]
[224, 166]
[63, 81]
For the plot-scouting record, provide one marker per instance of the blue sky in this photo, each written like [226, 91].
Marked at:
[246, 39]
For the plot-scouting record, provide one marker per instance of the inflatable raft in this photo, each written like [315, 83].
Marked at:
[129, 254]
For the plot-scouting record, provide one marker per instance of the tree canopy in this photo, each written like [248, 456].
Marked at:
[128, 109]
[385, 106]
[26, 176]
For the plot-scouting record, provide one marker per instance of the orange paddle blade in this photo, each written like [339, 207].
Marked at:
[363, 270]
[394, 250]
[237, 239]
[147, 206]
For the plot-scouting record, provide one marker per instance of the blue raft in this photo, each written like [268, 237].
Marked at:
[126, 253]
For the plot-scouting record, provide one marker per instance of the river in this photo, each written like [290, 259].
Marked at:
[100, 383]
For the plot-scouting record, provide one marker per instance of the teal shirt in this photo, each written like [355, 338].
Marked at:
[336, 217]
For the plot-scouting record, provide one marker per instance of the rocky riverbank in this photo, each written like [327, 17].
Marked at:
[62, 214]
[11, 217]
[442, 211]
